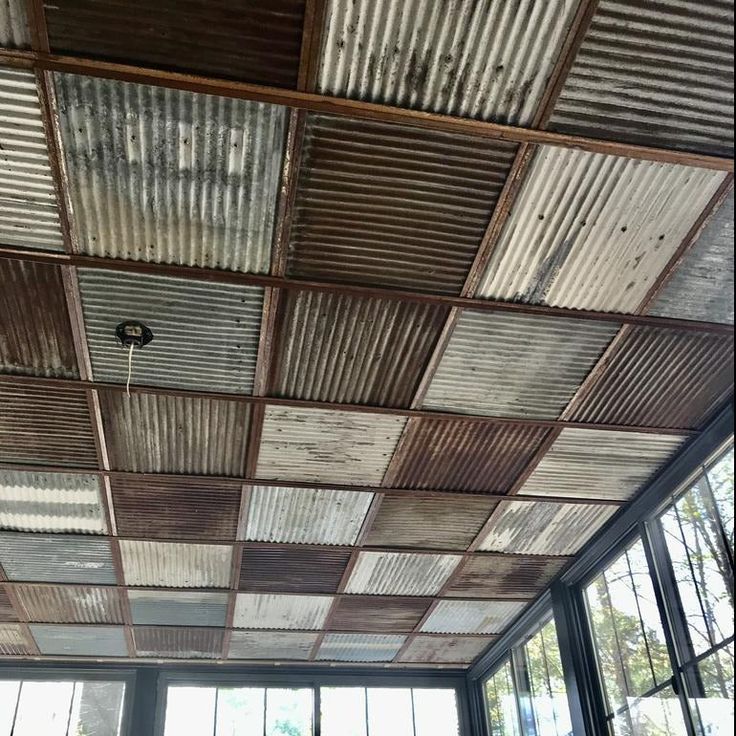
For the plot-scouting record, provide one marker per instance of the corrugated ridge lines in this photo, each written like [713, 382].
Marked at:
[151, 641]
[79, 604]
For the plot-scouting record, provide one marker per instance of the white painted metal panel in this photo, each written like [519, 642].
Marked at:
[302, 612]
[360, 647]
[472, 617]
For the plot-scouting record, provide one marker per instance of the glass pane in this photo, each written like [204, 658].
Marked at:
[435, 713]
[503, 714]
[288, 712]
[8, 700]
[343, 711]
[190, 710]
[715, 713]
[44, 708]
[389, 712]
[721, 482]
[240, 711]
[660, 715]
[97, 709]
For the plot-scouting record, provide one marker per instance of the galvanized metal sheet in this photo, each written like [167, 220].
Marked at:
[56, 559]
[305, 515]
[188, 643]
[14, 641]
[391, 205]
[7, 612]
[205, 335]
[653, 72]
[398, 573]
[70, 604]
[172, 565]
[14, 29]
[162, 608]
[80, 641]
[445, 649]
[380, 615]
[305, 612]
[586, 463]
[472, 617]
[169, 176]
[261, 645]
[591, 231]
[317, 445]
[484, 59]
[544, 528]
[360, 647]
[513, 365]
[29, 215]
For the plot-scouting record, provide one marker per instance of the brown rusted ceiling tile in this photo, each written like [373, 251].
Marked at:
[250, 40]
[14, 641]
[378, 615]
[395, 206]
[7, 612]
[185, 643]
[71, 604]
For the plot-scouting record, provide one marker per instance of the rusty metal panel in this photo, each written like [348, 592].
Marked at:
[182, 508]
[445, 649]
[304, 612]
[592, 231]
[269, 569]
[360, 647]
[51, 502]
[396, 206]
[305, 516]
[400, 573]
[169, 176]
[173, 565]
[661, 378]
[472, 617]
[165, 608]
[14, 641]
[511, 365]
[70, 604]
[318, 445]
[158, 433]
[205, 335]
[14, 28]
[427, 523]
[29, 215]
[56, 558]
[262, 645]
[380, 615]
[80, 641]
[461, 455]
[184, 643]
[552, 529]
[7, 612]
[351, 350]
[653, 72]
[485, 59]
[37, 338]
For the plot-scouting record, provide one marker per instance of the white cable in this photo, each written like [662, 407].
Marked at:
[130, 367]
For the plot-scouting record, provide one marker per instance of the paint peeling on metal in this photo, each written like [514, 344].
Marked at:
[380, 615]
[14, 29]
[70, 604]
[447, 649]
[302, 612]
[472, 617]
[13, 641]
[189, 643]
[261, 645]
[80, 641]
[170, 176]
[162, 608]
[592, 231]
[360, 647]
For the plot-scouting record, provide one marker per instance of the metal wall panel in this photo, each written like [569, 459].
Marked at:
[488, 60]
[188, 643]
[360, 647]
[161, 608]
[585, 463]
[653, 72]
[511, 365]
[51, 502]
[305, 516]
[591, 231]
[305, 612]
[380, 615]
[205, 335]
[37, 338]
[317, 445]
[14, 30]
[390, 205]
[339, 348]
[472, 617]
[14, 641]
[283, 645]
[29, 215]
[80, 641]
[445, 649]
[168, 176]
[70, 605]
[7, 612]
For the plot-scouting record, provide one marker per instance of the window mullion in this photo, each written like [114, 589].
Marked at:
[523, 693]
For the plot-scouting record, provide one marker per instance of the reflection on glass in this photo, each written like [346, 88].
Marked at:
[435, 713]
[390, 712]
[503, 715]
[714, 713]
[190, 710]
[97, 709]
[240, 711]
[343, 711]
[660, 715]
[720, 477]
[288, 712]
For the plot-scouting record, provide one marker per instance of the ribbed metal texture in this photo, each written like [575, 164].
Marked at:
[512, 365]
[161, 608]
[428, 523]
[37, 338]
[306, 516]
[396, 573]
[168, 176]
[80, 641]
[7, 612]
[28, 207]
[252, 40]
[590, 231]
[587, 463]
[206, 335]
[171, 565]
[56, 559]
[472, 617]
[13, 641]
[188, 643]
[661, 378]
[156, 433]
[653, 72]
[261, 645]
[702, 287]
[544, 528]
[176, 508]
[51, 502]
[281, 611]
[70, 605]
[292, 570]
[316, 445]
[380, 615]
[395, 206]
[45, 426]
[459, 455]
[360, 647]
[483, 59]
[14, 31]
[445, 649]
[356, 351]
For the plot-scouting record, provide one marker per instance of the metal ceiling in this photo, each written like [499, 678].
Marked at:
[14, 32]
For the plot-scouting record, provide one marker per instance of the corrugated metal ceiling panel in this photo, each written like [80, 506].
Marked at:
[14, 641]
[7, 612]
[395, 206]
[380, 615]
[70, 605]
[80, 641]
[14, 31]
[188, 643]
[169, 176]
[281, 611]
[653, 72]
[360, 647]
[511, 365]
[161, 608]
[205, 335]
[591, 231]
[472, 617]
[316, 445]
[483, 59]
[445, 649]
[283, 645]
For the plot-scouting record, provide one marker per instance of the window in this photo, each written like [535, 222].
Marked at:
[501, 705]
